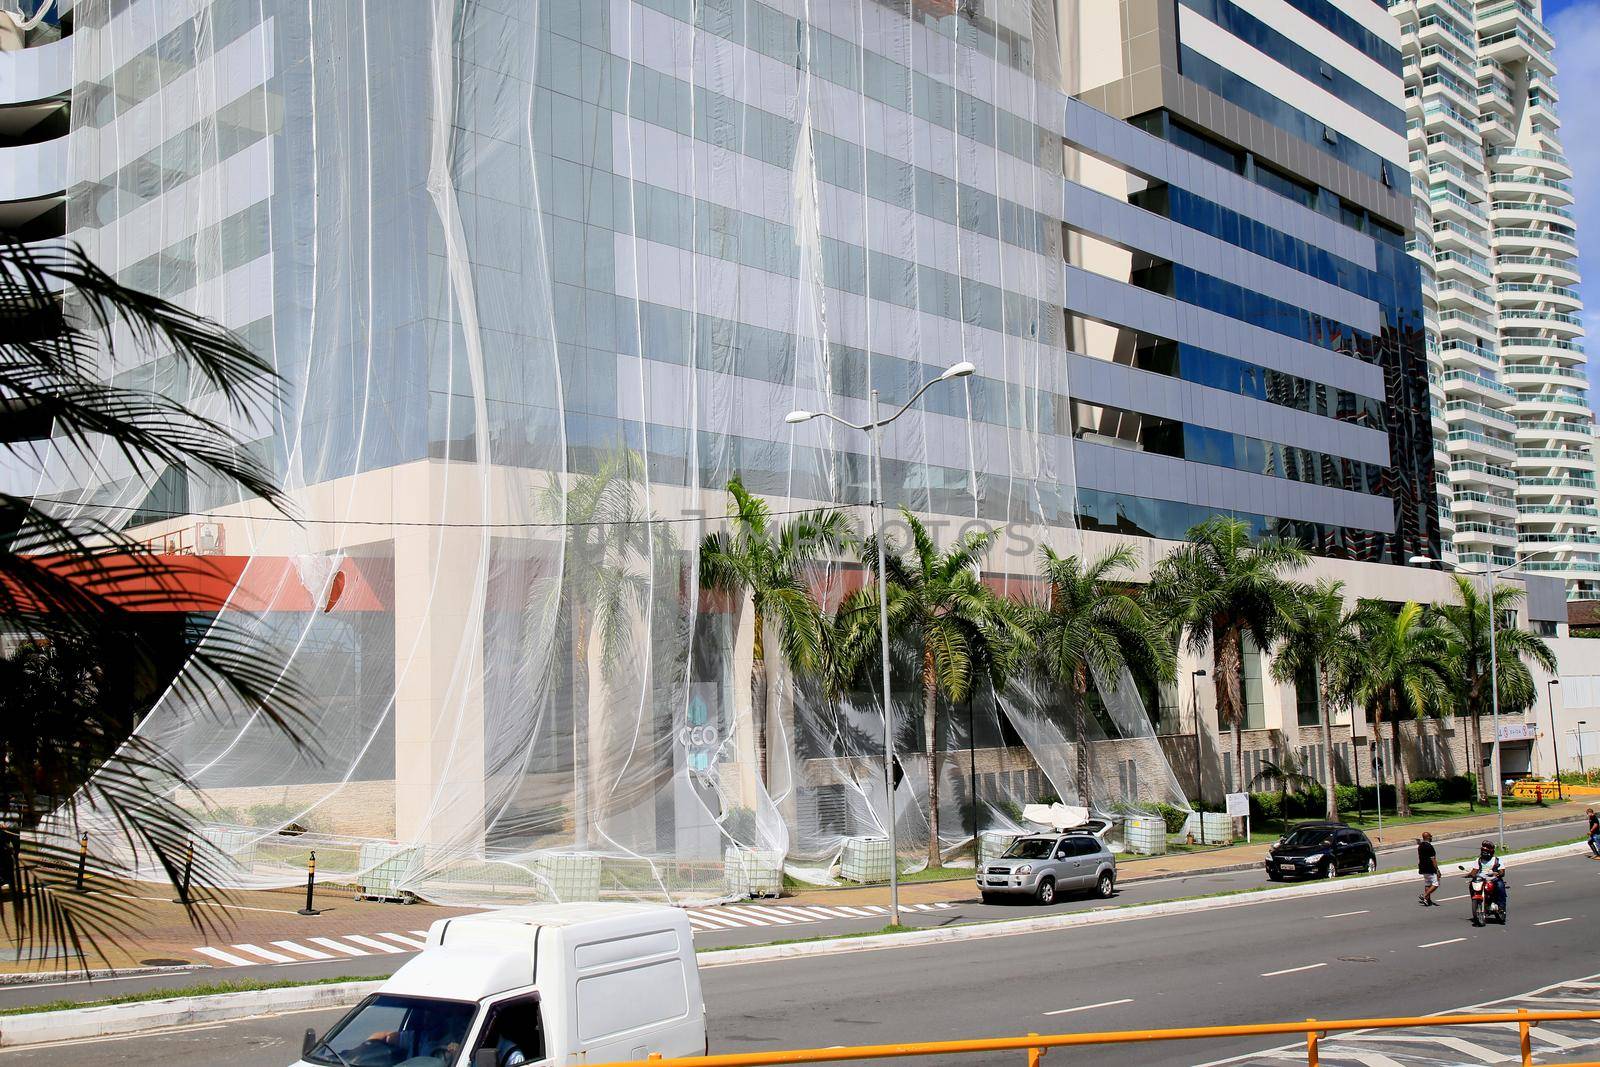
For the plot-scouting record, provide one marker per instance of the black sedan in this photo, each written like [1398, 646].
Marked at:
[1320, 850]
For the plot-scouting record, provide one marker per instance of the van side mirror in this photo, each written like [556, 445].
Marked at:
[308, 1043]
[485, 1057]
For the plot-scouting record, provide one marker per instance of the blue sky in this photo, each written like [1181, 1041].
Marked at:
[1576, 25]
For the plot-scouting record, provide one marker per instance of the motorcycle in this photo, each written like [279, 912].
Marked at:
[1484, 893]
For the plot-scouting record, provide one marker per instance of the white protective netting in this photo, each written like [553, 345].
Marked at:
[540, 278]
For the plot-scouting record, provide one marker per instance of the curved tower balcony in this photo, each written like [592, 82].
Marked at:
[35, 84]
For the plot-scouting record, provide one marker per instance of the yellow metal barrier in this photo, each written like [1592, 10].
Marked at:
[1036, 1045]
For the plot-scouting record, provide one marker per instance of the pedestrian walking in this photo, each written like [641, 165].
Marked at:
[1428, 867]
[1594, 834]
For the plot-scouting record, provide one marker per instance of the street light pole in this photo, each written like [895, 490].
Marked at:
[1490, 575]
[1194, 704]
[873, 428]
[876, 435]
[1555, 742]
[1578, 736]
[1494, 702]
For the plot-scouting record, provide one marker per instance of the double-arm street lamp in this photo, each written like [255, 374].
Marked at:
[1555, 744]
[1490, 574]
[873, 428]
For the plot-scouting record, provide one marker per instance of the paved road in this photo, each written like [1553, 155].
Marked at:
[1365, 951]
[968, 910]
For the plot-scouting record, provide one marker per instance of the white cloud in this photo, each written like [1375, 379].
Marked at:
[1577, 32]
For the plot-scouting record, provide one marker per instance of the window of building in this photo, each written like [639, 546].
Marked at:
[1307, 702]
[1255, 703]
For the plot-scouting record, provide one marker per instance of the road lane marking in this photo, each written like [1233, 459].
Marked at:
[372, 942]
[226, 957]
[1547, 881]
[301, 950]
[1459, 896]
[266, 954]
[1293, 970]
[1347, 914]
[859, 913]
[1436, 944]
[338, 946]
[1090, 1007]
[1552, 922]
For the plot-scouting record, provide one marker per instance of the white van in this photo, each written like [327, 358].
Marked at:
[546, 984]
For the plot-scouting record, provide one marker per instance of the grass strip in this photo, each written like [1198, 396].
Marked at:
[203, 989]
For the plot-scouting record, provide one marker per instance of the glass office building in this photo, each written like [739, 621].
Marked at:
[541, 278]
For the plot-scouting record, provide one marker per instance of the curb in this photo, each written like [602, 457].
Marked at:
[36, 977]
[1050, 923]
[122, 1019]
[113, 1020]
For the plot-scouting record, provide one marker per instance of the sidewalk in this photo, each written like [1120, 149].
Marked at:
[166, 938]
[1212, 861]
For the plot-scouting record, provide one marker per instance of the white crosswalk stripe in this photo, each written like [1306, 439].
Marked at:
[224, 957]
[734, 916]
[301, 950]
[702, 920]
[408, 942]
[266, 954]
[339, 946]
[381, 946]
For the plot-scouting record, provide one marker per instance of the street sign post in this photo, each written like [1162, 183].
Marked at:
[1239, 808]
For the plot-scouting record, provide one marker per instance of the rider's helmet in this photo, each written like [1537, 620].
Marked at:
[1486, 849]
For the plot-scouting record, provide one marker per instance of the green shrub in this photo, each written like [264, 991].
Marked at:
[1424, 791]
[1347, 797]
[1175, 816]
[1266, 807]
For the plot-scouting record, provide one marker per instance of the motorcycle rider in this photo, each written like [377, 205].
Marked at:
[1489, 868]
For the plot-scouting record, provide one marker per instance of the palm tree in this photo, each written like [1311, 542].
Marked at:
[71, 589]
[1402, 668]
[956, 624]
[1289, 774]
[1321, 639]
[611, 544]
[1464, 627]
[1089, 627]
[768, 562]
[1219, 587]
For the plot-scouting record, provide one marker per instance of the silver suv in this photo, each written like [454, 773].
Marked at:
[1043, 865]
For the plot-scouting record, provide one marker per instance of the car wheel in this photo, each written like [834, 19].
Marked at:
[1105, 886]
[1046, 893]
[989, 898]
[1329, 870]
[1274, 876]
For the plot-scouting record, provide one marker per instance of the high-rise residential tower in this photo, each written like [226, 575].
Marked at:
[1513, 430]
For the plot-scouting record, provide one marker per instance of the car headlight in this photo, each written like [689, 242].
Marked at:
[1318, 858]
[1026, 868]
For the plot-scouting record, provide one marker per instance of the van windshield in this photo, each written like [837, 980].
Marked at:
[388, 1031]
[1029, 848]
